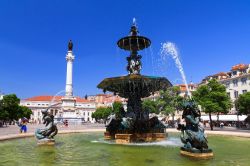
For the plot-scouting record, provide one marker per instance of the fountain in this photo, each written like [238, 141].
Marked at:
[192, 134]
[45, 136]
[135, 124]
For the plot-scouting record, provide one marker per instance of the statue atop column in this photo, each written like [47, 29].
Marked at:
[70, 45]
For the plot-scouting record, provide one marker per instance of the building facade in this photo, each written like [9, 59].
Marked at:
[82, 111]
[103, 100]
[237, 81]
[183, 89]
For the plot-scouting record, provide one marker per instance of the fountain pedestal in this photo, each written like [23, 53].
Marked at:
[123, 138]
[205, 154]
[136, 137]
[46, 142]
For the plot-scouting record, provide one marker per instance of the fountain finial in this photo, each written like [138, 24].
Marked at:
[70, 45]
[134, 21]
[133, 30]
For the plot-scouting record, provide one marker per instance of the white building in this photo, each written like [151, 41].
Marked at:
[81, 113]
[183, 89]
[68, 107]
[106, 100]
[237, 81]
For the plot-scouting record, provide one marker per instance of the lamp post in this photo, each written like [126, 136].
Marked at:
[238, 120]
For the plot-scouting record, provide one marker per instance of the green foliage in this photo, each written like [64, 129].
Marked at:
[117, 108]
[102, 113]
[213, 98]
[24, 112]
[11, 110]
[150, 106]
[242, 104]
[169, 101]
[3, 113]
[10, 104]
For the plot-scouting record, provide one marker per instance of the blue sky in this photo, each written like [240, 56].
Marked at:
[211, 36]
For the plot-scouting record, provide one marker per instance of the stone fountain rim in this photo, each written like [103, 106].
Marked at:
[135, 77]
[208, 132]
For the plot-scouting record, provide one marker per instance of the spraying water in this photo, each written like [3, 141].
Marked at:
[53, 99]
[134, 21]
[170, 49]
[170, 142]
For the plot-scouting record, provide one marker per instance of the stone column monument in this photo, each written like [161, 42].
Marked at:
[69, 101]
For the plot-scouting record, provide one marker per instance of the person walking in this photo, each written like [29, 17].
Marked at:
[23, 125]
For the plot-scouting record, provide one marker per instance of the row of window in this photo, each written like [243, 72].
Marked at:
[48, 104]
[235, 82]
[39, 104]
[236, 93]
[86, 113]
[82, 105]
[236, 73]
[56, 111]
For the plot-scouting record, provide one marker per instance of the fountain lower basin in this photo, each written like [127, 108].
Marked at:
[91, 149]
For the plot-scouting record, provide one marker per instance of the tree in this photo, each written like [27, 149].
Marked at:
[11, 110]
[102, 113]
[213, 98]
[169, 101]
[150, 106]
[10, 104]
[242, 104]
[117, 109]
[3, 114]
[24, 111]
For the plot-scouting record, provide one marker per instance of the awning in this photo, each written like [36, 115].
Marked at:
[224, 117]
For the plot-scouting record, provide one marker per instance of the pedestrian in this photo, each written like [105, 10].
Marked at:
[221, 124]
[66, 123]
[23, 125]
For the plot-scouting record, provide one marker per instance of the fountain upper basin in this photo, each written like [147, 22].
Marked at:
[134, 84]
[134, 43]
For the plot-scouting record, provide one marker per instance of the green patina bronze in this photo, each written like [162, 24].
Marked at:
[192, 134]
[47, 133]
[134, 87]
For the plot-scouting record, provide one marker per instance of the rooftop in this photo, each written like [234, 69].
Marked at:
[239, 67]
[236, 71]
[55, 98]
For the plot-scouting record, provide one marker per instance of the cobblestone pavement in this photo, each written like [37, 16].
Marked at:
[14, 129]
[231, 129]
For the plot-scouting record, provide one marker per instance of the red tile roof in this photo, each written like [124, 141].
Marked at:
[221, 74]
[55, 98]
[82, 100]
[184, 88]
[44, 98]
[240, 67]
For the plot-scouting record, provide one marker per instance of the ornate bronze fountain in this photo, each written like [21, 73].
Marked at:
[135, 124]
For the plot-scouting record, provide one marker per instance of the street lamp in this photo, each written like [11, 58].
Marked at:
[238, 120]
